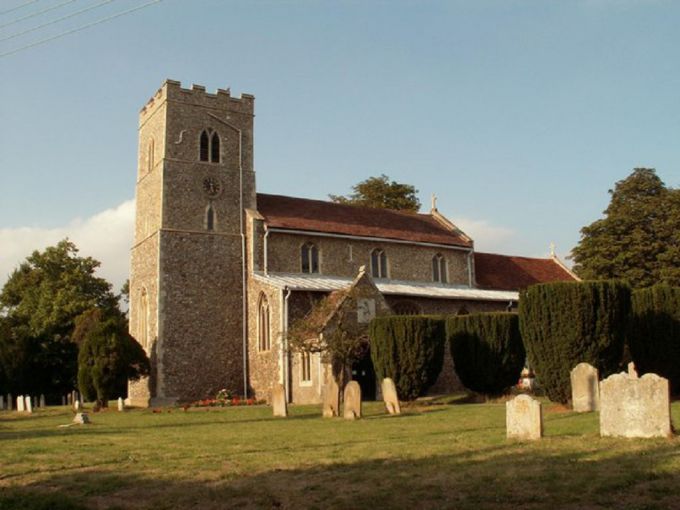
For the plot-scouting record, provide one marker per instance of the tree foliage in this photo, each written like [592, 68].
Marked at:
[382, 193]
[487, 350]
[566, 323]
[38, 307]
[639, 237]
[408, 349]
[654, 340]
[108, 356]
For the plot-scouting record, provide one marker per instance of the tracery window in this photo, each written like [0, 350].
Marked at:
[378, 263]
[263, 325]
[306, 366]
[209, 146]
[439, 272]
[309, 258]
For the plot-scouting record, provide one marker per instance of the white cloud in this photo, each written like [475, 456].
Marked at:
[487, 237]
[107, 236]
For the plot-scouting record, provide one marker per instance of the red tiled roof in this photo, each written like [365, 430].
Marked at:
[319, 216]
[505, 272]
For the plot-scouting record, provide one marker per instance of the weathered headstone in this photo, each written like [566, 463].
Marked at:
[81, 419]
[523, 418]
[121, 405]
[21, 404]
[10, 402]
[389, 392]
[2, 402]
[69, 399]
[42, 400]
[63, 400]
[76, 405]
[279, 401]
[585, 390]
[29, 405]
[352, 401]
[635, 407]
[331, 399]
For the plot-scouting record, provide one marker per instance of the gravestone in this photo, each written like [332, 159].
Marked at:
[352, 401]
[10, 402]
[121, 405]
[2, 402]
[279, 405]
[632, 406]
[76, 406]
[63, 400]
[42, 400]
[69, 399]
[21, 407]
[81, 419]
[29, 405]
[523, 418]
[331, 399]
[389, 392]
[585, 390]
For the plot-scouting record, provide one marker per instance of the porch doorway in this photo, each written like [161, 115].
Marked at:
[364, 373]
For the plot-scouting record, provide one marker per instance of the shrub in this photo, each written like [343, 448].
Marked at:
[410, 350]
[487, 350]
[565, 323]
[654, 341]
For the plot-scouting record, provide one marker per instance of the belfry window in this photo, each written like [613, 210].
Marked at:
[309, 258]
[210, 218]
[439, 272]
[378, 264]
[149, 156]
[209, 146]
[263, 333]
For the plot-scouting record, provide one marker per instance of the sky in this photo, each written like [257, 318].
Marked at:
[519, 115]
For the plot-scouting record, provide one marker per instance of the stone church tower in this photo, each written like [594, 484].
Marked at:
[194, 181]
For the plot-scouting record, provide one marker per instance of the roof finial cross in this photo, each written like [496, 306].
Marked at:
[434, 202]
[552, 249]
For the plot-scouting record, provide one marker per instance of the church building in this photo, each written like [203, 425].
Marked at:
[219, 272]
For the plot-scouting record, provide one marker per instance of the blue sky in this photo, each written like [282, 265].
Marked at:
[520, 115]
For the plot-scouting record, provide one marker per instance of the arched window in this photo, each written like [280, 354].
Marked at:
[210, 218]
[378, 264]
[263, 333]
[439, 269]
[306, 366]
[149, 155]
[209, 146]
[143, 319]
[204, 150]
[309, 258]
[406, 308]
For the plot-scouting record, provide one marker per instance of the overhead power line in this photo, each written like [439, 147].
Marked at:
[37, 13]
[52, 22]
[20, 6]
[78, 29]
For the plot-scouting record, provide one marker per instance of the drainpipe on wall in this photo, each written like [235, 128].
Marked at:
[284, 340]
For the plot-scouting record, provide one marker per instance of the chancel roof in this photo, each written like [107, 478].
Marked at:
[328, 217]
[506, 272]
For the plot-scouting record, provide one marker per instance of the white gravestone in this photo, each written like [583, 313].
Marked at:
[29, 405]
[279, 405]
[42, 400]
[121, 405]
[635, 407]
[389, 392]
[331, 399]
[585, 388]
[21, 404]
[76, 406]
[352, 401]
[523, 418]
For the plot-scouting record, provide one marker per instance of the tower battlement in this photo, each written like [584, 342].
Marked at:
[172, 90]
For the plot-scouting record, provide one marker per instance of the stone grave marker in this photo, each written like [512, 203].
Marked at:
[69, 399]
[81, 419]
[632, 406]
[352, 401]
[10, 402]
[76, 405]
[585, 388]
[121, 405]
[2, 402]
[21, 404]
[331, 399]
[389, 392]
[42, 400]
[523, 418]
[29, 405]
[279, 405]
[63, 400]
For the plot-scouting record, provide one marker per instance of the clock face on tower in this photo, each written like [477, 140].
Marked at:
[212, 187]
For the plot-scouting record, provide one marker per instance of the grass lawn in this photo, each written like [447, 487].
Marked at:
[452, 455]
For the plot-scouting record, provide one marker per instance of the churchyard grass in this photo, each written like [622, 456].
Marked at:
[445, 455]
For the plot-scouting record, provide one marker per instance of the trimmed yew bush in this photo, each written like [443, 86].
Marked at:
[565, 323]
[654, 341]
[487, 350]
[410, 350]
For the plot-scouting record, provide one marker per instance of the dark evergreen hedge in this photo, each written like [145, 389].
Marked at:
[410, 350]
[565, 323]
[487, 350]
[655, 333]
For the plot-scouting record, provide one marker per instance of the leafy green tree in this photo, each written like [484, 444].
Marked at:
[38, 305]
[382, 193]
[108, 356]
[639, 237]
